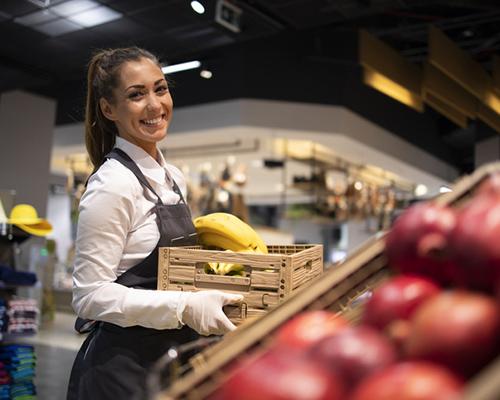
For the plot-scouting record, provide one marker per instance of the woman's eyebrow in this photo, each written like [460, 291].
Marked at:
[139, 86]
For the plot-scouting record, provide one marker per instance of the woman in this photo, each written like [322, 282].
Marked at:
[133, 204]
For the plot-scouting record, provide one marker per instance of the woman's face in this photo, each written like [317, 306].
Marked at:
[142, 105]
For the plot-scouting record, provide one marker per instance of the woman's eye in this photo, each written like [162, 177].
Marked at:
[161, 89]
[134, 95]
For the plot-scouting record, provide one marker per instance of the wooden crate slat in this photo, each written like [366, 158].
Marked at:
[263, 279]
[301, 276]
[181, 273]
[254, 299]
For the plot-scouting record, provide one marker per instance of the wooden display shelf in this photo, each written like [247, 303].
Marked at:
[337, 290]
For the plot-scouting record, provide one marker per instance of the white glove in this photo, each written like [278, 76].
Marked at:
[202, 311]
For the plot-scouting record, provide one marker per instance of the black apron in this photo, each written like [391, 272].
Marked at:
[113, 362]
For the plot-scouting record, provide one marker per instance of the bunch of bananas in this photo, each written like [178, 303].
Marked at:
[228, 232]
[221, 268]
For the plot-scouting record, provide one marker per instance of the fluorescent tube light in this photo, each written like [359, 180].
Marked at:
[170, 69]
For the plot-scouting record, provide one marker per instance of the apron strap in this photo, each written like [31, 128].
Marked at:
[124, 158]
[121, 156]
[178, 191]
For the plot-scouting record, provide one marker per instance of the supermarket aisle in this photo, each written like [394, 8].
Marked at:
[56, 345]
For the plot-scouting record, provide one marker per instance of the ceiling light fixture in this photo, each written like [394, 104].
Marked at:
[95, 16]
[170, 69]
[40, 3]
[35, 18]
[421, 190]
[205, 73]
[68, 16]
[197, 7]
[73, 7]
[57, 27]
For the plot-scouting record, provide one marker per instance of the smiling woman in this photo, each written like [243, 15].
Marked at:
[141, 106]
[133, 204]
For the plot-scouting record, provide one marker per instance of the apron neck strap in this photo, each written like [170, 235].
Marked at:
[124, 158]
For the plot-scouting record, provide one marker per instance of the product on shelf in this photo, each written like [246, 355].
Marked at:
[451, 322]
[17, 371]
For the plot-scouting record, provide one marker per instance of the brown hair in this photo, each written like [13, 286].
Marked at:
[102, 78]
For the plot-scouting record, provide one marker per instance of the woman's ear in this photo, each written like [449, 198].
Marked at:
[107, 109]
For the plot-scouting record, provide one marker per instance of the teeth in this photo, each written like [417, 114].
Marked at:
[153, 121]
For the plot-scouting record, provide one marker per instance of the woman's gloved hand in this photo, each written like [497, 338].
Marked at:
[202, 311]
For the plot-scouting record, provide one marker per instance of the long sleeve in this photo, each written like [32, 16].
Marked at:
[114, 230]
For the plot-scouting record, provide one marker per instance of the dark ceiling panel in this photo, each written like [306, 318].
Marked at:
[166, 17]
[17, 8]
[302, 50]
[122, 30]
[134, 6]
[309, 14]
[4, 16]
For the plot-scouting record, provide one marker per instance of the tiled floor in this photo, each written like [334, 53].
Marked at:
[56, 345]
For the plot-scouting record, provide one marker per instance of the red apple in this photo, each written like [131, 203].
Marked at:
[410, 381]
[418, 242]
[458, 329]
[354, 353]
[279, 376]
[307, 328]
[397, 298]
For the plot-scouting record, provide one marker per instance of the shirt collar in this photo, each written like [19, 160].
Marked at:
[152, 169]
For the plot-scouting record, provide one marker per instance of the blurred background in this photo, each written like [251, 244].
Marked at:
[315, 121]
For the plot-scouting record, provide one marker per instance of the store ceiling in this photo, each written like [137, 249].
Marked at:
[293, 50]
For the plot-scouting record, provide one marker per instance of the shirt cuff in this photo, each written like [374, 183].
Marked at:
[152, 308]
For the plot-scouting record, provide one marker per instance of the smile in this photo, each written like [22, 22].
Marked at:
[154, 121]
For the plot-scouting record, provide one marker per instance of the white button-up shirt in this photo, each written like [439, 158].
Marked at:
[116, 230]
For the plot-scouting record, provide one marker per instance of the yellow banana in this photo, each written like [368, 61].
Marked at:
[227, 231]
[221, 268]
[209, 239]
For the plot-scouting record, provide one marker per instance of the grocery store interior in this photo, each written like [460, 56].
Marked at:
[318, 123]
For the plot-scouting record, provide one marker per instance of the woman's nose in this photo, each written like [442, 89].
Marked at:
[154, 102]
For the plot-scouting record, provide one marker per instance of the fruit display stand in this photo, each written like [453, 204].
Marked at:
[269, 279]
[339, 290]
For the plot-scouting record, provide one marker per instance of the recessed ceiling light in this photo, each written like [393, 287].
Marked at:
[421, 190]
[95, 16]
[198, 7]
[73, 7]
[205, 73]
[58, 27]
[35, 18]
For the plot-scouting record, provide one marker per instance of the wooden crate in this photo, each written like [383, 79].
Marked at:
[338, 290]
[269, 278]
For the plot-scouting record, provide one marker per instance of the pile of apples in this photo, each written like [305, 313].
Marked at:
[424, 331]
